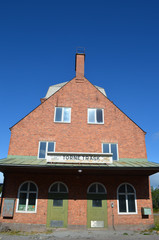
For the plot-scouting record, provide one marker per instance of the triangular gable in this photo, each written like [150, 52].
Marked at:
[79, 80]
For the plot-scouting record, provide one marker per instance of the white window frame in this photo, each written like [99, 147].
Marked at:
[27, 198]
[110, 149]
[96, 183]
[126, 194]
[46, 152]
[95, 116]
[62, 118]
[58, 187]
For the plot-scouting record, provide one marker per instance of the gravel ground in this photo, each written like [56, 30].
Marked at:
[84, 235]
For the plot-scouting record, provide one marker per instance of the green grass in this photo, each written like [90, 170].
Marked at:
[156, 221]
[9, 232]
[156, 228]
[155, 210]
[19, 233]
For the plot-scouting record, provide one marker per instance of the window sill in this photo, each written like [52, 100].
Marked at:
[96, 123]
[25, 212]
[62, 122]
[133, 213]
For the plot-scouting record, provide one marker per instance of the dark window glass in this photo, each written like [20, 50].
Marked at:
[97, 203]
[31, 202]
[122, 203]
[105, 148]
[131, 203]
[114, 151]
[32, 187]
[91, 115]
[42, 150]
[58, 117]
[22, 198]
[92, 189]
[32, 198]
[62, 188]
[24, 187]
[99, 115]
[22, 202]
[57, 202]
[54, 188]
[50, 146]
[101, 189]
[122, 189]
[130, 189]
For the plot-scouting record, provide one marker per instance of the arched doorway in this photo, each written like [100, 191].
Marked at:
[57, 210]
[96, 206]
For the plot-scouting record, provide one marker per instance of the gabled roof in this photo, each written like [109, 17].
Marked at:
[54, 88]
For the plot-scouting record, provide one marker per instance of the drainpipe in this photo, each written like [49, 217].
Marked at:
[112, 206]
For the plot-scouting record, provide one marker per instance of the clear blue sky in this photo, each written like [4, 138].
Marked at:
[38, 40]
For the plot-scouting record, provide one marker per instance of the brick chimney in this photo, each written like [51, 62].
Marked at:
[79, 65]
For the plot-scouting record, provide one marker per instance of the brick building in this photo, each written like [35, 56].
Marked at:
[77, 161]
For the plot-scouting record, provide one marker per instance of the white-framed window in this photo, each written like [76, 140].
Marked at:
[44, 148]
[96, 115]
[111, 148]
[27, 197]
[62, 114]
[126, 196]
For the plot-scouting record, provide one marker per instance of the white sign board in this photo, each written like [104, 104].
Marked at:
[79, 158]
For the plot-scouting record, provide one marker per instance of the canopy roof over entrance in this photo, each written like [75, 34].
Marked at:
[137, 166]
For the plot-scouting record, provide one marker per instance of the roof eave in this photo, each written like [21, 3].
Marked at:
[135, 170]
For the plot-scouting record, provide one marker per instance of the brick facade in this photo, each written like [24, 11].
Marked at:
[78, 136]
[77, 204]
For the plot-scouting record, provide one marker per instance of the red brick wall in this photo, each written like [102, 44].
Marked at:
[78, 136]
[77, 204]
[80, 65]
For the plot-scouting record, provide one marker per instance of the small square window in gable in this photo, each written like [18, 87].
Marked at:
[62, 115]
[96, 115]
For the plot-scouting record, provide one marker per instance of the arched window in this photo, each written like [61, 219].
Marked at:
[58, 187]
[96, 192]
[59, 192]
[27, 197]
[126, 199]
[96, 188]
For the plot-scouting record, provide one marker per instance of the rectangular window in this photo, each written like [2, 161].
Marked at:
[111, 148]
[122, 203]
[44, 148]
[131, 203]
[31, 202]
[97, 203]
[95, 115]
[63, 114]
[58, 202]
[22, 202]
